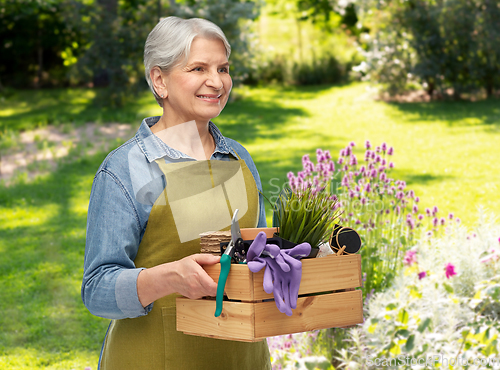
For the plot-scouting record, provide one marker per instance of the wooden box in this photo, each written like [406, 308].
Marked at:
[326, 299]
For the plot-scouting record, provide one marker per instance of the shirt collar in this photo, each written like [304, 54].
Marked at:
[154, 148]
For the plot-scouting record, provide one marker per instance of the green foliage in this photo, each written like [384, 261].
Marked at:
[305, 215]
[38, 42]
[439, 44]
[295, 49]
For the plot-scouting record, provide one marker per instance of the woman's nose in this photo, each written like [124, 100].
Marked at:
[214, 81]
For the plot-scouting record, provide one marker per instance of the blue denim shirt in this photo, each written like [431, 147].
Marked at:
[123, 192]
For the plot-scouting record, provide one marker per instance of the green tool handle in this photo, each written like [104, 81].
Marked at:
[225, 266]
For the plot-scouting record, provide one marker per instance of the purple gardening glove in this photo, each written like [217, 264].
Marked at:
[259, 248]
[283, 270]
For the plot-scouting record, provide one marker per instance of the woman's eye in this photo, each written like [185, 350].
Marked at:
[197, 69]
[224, 70]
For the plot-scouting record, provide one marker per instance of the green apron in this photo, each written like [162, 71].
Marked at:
[200, 196]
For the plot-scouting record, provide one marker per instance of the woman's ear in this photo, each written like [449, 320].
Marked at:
[158, 79]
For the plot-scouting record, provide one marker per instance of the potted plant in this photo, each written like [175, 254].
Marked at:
[305, 214]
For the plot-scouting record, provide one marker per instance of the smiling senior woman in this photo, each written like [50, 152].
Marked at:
[153, 196]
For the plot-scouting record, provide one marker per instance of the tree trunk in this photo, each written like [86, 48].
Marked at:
[109, 12]
[39, 51]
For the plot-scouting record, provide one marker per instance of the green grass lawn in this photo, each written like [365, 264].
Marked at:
[447, 153]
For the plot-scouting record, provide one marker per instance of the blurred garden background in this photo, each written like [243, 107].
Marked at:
[402, 96]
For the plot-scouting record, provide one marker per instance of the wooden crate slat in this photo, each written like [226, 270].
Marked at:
[239, 283]
[312, 313]
[318, 275]
[250, 234]
[196, 316]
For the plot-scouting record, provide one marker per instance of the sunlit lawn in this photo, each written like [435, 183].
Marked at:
[447, 152]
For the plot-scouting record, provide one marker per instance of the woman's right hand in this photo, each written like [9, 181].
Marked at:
[185, 276]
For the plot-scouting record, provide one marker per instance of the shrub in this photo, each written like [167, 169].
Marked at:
[446, 46]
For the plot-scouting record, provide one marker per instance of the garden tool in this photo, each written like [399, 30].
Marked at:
[344, 240]
[225, 261]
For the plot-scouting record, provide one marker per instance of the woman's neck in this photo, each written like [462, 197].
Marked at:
[192, 138]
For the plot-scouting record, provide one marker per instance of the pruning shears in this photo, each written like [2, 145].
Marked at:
[225, 261]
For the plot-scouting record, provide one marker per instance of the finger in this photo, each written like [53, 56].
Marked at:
[299, 251]
[294, 287]
[205, 259]
[268, 280]
[256, 265]
[292, 262]
[209, 286]
[281, 262]
[273, 249]
[257, 246]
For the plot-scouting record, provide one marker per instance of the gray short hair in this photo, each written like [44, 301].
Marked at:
[171, 40]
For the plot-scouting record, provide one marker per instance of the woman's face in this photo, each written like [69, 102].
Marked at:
[199, 90]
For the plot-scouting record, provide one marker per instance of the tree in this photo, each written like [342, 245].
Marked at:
[442, 45]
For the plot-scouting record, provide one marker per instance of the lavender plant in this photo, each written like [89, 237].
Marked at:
[383, 211]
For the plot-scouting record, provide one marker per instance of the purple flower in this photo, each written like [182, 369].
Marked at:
[449, 270]
[354, 160]
[458, 221]
[348, 151]
[398, 210]
[410, 222]
[352, 144]
[368, 145]
[390, 151]
[420, 217]
[410, 258]
[391, 165]
[331, 166]
[415, 208]
[378, 159]
[421, 275]
[435, 221]
[327, 154]
[345, 181]
[443, 221]
[290, 175]
[417, 199]
[434, 210]
[383, 176]
[377, 150]
[428, 211]
[368, 188]
[341, 160]
[384, 147]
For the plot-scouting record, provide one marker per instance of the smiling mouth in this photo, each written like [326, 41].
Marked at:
[209, 97]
